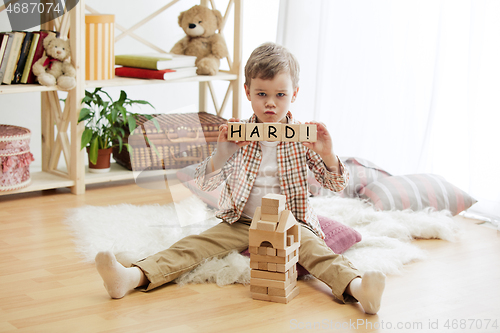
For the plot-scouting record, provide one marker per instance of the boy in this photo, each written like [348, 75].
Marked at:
[251, 170]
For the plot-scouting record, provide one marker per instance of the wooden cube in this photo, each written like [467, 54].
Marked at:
[262, 266]
[308, 133]
[267, 225]
[273, 131]
[254, 264]
[256, 237]
[271, 252]
[282, 292]
[236, 131]
[277, 299]
[279, 284]
[273, 200]
[274, 276]
[289, 240]
[259, 289]
[254, 131]
[289, 249]
[273, 210]
[291, 133]
[253, 249]
[281, 268]
[270, 218]
[289, 266]
[270, 283]
[271, 267]
[266, 258]
[287, 298]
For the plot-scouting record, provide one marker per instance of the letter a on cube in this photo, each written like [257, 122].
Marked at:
[254, 132]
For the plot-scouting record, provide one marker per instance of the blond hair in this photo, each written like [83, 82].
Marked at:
[269, 60]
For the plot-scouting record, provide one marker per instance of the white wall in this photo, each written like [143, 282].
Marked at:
[260, 19]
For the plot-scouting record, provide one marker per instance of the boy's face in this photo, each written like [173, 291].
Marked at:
[271, 99]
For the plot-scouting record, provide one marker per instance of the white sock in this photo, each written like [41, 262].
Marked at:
[368, 290]
[118, 280]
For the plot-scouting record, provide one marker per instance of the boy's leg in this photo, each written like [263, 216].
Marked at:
[333, 269]
[167, 265]
[118, 280]
[191, 251]
[338, 272]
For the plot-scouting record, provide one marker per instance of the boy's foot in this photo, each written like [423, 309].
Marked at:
[368, 290]
[118, 280]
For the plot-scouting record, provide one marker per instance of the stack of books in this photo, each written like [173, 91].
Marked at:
[159, 66]
[19, 50]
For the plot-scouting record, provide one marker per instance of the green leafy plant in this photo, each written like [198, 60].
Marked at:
[106, 120]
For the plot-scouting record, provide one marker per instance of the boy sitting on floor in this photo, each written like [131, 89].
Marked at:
[252, 170]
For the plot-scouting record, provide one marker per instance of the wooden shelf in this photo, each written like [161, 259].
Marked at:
[125, 81]
[24, 88]
[116, 82]
[117, 173]
[43, 181]
[60, 129]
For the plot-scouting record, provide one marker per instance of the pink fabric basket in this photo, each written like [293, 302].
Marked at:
[15, 157]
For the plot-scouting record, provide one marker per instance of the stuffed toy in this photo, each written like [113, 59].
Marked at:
[55, 68]
[200, 24]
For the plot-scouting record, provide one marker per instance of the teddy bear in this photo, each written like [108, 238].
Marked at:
[55, 68]
[200, 24]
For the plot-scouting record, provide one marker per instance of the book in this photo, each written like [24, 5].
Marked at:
[157, 61]
[164, 74]
[4, 39]
[39, 52]
[29, 59]
[23, 56]
[5, 60]
[14, 53]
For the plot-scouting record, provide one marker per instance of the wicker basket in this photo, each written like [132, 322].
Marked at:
[183, 139]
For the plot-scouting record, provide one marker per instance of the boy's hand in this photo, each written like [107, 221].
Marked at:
[227, 148]
[324, 147]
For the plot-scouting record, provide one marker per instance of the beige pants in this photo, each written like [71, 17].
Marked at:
[314, 255]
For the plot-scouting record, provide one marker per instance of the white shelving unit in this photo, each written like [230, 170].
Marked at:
[60, 132]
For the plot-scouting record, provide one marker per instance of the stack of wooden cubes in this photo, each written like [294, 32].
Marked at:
[274, 240]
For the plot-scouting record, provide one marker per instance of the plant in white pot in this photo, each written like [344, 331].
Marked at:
[106, 122]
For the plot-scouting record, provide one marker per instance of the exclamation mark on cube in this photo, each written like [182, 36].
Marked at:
[308, 133]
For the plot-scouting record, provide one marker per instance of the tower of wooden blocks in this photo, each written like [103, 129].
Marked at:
[274, 240]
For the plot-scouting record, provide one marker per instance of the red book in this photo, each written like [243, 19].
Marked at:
[38, 54]
[164, 74]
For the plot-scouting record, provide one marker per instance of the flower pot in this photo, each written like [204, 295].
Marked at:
[103, 161]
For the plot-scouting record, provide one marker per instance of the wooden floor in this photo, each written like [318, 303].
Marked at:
[45, 288]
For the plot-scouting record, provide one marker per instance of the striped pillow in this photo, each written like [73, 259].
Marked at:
[417, 192]
[361, 173]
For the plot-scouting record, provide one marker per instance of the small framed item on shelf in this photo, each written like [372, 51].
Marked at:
[15, 157]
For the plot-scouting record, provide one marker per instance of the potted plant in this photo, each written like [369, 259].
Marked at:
[106, 122]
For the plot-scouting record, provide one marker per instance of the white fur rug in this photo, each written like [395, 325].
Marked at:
[134, 232]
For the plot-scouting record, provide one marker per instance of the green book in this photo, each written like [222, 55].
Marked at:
[156, 61]
[29, 60]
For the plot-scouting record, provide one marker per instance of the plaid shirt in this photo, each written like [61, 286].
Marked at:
[240, 172]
